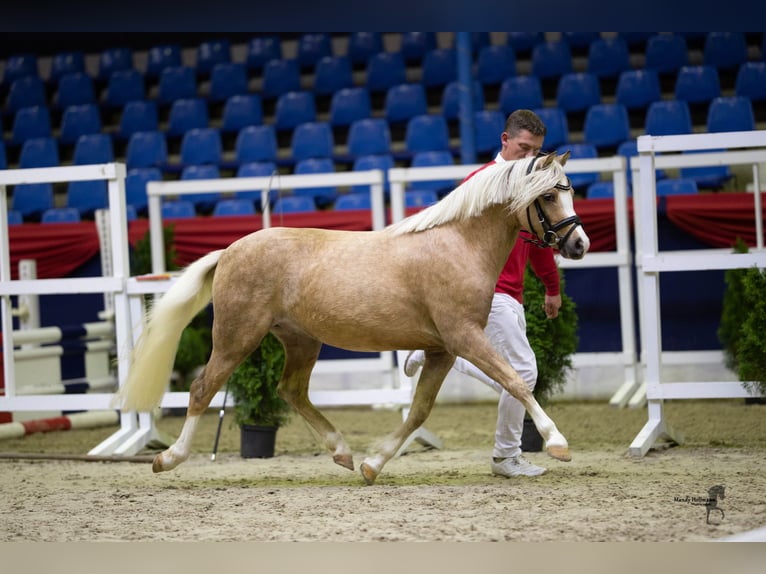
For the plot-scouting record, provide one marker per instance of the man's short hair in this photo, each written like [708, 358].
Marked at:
[524, 120]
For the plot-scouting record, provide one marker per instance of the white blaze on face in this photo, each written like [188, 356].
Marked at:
[567, 204]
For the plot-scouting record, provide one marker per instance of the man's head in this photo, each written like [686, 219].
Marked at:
[523, 135]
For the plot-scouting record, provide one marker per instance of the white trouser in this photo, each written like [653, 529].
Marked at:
[507, 331]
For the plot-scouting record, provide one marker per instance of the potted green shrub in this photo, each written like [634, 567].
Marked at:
[258, 409]
[554, 341]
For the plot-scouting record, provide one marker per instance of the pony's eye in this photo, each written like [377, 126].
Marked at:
[549, 197]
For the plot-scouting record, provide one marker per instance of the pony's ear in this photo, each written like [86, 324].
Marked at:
[547, 160]
[562, 159]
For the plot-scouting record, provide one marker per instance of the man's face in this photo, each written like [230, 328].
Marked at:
[522, 145]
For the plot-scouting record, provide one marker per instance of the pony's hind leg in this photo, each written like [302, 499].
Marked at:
[435, 369]
[301, 353]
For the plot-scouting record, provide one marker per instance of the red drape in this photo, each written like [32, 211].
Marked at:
[715, 219]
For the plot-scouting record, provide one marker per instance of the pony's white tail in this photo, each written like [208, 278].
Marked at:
[154, 353]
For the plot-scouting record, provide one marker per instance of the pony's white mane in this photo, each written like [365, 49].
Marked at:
[501, 183]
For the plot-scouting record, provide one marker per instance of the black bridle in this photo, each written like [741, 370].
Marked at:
[550, 236]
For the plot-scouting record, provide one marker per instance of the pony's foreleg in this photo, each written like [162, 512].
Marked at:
[301, 353]
[435, 369]
[481, 353]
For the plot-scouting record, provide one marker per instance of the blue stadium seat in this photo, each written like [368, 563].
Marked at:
[31, 122]
[135, 186]
[186, 114]
[15, 217]
[431, 159]
[31, 199]
[520, 92]
[87, 196]
[382, 162]
[294, 108]
[261, 49]
[384, 70]
[426, 132]
[130, 213]
[3, 155]
[637, 89]
[61, 215]
[668, 117]
[257, 169]
[666, 53]
[362, 46]
[280, 77]
[707, 176]
[730, 114]
[161, 57]
[39, 152]
[524, 42]
[113, 59]
[201, 146]
[175, 83]
[452, 95]
[581, 181]
[488, 125]
[79, 120]
[256, 143]
[233, 207]
[241, 111]
[751, 81]
[369, 136]
[495, 63]
[178, 209]
[578, 91]
[332, 73]
[420, 197]
[606, 125]
[138, 116]
[93, 149]
[211, 53]
[557, 127]
[147, 149]
[227, 79]
[66, 63]
[312, 47]
[404, 101]
[25, 92]
[348, 105]
[203, 202]
[312, 139]
[697, 84]
[414, 46]
[322, 196]
[124, 86]
[608, 57]
[18, 66]
[725, 50]
[294, 204]
[551, 59]
[676, 186]
[353, 201]
[75, 89]
[439, 67]
[600, 189]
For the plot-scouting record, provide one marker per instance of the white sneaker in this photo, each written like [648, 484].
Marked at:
[516, 466]
[413, 362]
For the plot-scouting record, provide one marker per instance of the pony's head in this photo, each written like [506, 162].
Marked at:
[550, 214]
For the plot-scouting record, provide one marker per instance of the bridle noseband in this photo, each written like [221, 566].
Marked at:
[550, 238]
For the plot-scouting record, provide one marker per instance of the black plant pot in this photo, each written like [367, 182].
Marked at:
[257, 441]
[531, 439]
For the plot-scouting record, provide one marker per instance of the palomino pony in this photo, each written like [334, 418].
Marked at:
[425, 282]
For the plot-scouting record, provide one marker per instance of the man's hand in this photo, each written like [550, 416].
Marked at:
[552, 305]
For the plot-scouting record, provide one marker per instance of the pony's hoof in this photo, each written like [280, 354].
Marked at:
[157, 465]
[344, 460]
[368, 473]
[559, 453]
